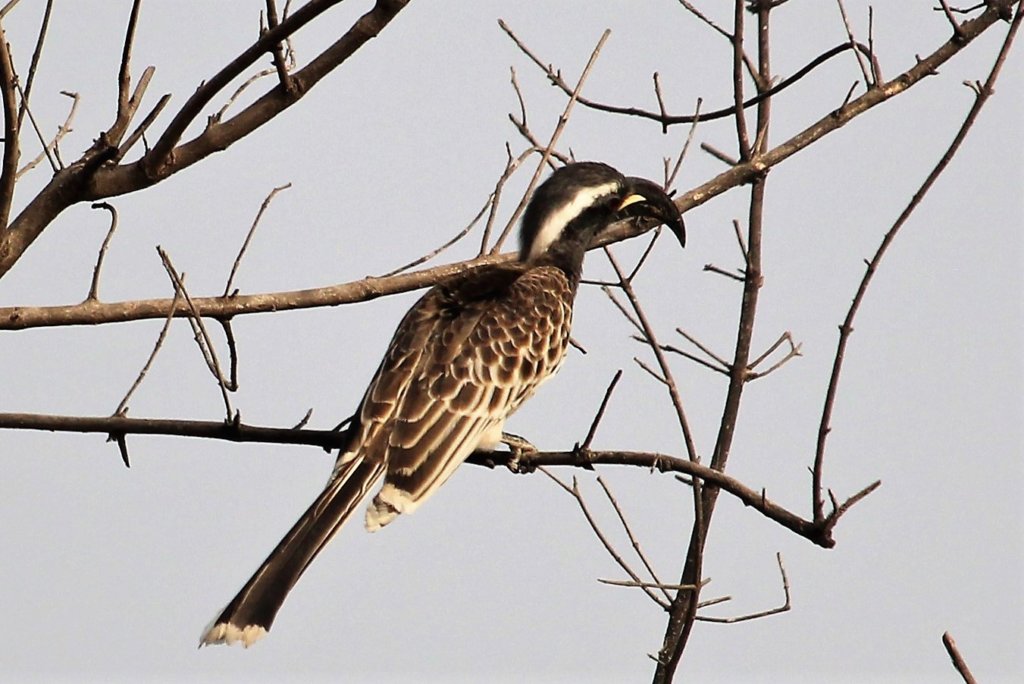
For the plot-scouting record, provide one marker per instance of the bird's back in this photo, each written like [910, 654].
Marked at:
[462, 360]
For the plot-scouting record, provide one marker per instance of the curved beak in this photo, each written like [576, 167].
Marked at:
[646, 199]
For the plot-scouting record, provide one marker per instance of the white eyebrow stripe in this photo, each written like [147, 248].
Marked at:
[552, 228]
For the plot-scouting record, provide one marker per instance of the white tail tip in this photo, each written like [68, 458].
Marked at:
[226, 633]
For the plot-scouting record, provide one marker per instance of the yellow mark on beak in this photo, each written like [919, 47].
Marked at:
[631, 199]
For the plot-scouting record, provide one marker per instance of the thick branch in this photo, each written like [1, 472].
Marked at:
[371, 287]
[86, 179]
[91, 313]
[683, 612]
[165, 158]
[193, 107]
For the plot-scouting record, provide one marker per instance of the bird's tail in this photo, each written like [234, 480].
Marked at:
[250, 614]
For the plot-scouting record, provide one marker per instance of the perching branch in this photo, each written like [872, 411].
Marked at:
[525, 462]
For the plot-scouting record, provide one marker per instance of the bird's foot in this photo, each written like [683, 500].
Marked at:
[518, 447]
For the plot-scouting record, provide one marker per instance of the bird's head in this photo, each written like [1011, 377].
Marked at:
[580, 200]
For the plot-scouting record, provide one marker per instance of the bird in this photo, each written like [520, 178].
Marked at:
[461, 361]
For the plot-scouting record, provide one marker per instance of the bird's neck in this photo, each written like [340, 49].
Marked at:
[565, 255]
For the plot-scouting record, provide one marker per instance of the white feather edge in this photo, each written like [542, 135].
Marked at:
[557, 220]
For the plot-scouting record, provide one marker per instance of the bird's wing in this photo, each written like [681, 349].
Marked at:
[464, 358]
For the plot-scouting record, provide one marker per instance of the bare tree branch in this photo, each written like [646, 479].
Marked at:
[686, 603]
[89, 179]
[62, 131]
[127, 104]
[954, 654]
[786, 604]
[94, 288]
[846, 328]
[122, 407]
[574, 492]
[9, 165]
[248, 236]
[37, 54]
[525, 462]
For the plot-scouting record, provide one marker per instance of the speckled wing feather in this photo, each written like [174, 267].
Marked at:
[463, 360]
[466, 355]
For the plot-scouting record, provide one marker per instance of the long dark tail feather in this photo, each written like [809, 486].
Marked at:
[251, 613]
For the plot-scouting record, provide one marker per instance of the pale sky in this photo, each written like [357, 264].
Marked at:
[111, 573]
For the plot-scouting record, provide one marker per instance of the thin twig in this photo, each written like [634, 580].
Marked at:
[644, 255]
[650, 371]
[760, 614]
[279, 54]
[794, 351]
[202, 337]
[94, 287]
[708, 22]
[860, 58]
[708, 602]
[967, 10]
[124, 73]
[650, 585]
[957, 31]
[8, 7]
[751, 67]
[140, 130]
[575, 492]
[876, 70]
[229, 339]
[958, 660]
[122, 407]
[233, 98]
[739, 116]
[721, 156]
[62, 131]
[741, 241]
[711, 268]
[692, 357]
[632, 538]
[248, 237]
[600, 412]
[626, 313]
[670, 176]
[523, 128]
[37, 54]
[661, 100]
[128, 99]
[704, 348]
[666, 373]
[9, 165]
[512, 164]
[54, 164]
